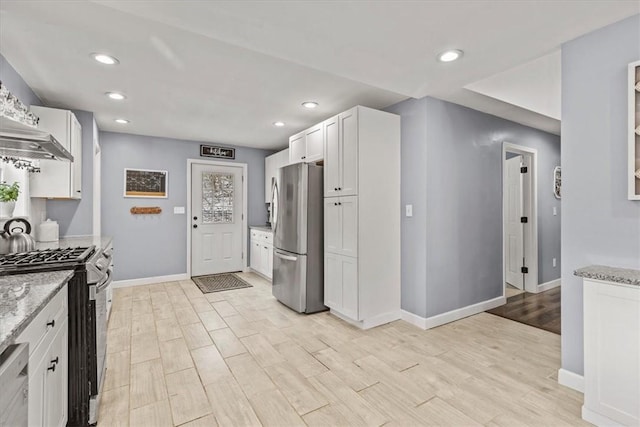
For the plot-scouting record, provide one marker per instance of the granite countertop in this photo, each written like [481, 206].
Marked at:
[261, 228]
[625, 276]
[22, 296]
[76, 241]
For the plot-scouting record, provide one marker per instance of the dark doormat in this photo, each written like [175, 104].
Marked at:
[540, 310]
[219, 282]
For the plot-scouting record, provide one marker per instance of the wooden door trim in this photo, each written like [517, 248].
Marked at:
[245, 181]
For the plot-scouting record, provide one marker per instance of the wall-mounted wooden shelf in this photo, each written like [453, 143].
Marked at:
[147, 210]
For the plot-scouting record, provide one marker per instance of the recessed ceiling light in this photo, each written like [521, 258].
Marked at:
[310, 104]
[450, 55]
[115, 95]
[278, 124]
[122, 121]
[105, 59]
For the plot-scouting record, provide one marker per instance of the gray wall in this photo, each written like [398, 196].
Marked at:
[452, 174]
[16, 85]
[75, 217]
[599, 224]
[155, 245]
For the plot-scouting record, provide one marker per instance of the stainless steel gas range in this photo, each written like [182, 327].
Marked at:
[87, 293]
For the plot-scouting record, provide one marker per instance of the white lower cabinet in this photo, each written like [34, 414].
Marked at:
[341, 284]
[47, 336]
[262, 252]
[611, 353]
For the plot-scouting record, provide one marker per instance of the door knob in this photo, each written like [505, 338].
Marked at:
[52, 323]
[54, 361]
[52, 368]
[195, 218]
[195, 225]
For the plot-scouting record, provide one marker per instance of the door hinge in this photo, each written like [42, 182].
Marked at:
[524, 219]
[523, 169]
[524, 270]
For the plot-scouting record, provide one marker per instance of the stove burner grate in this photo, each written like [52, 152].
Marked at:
[45, 257]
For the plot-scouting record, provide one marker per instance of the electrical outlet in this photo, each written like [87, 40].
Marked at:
[554, 262]
[408, 210]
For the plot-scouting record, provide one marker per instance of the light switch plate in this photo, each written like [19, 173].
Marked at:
[408, 210]
[555, 211]
[178, 210]
[554, 262]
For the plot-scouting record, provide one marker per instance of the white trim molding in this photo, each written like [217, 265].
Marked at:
[149, 280]
[571, 380]
[548, 285]
[453, 315]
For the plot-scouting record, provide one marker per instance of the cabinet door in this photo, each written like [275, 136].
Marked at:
[268, 259]
[349, 153]
[37, 376]
[314, 141]
[332, 226]
[333, 281]
[349, 225]
[55, 414]
[297, 148]
[331, 157]
[255, 256]
[76, 151]
[341, 284]
[350, 287]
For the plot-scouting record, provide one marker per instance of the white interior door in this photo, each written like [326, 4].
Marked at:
[514, 236]
[216, 223]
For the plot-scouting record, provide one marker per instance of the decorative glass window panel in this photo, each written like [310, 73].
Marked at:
[217, 198]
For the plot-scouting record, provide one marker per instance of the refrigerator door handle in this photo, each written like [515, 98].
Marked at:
[274, 206]
[285, 257]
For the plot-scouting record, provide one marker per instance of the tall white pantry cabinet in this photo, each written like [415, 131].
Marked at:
[362, 216]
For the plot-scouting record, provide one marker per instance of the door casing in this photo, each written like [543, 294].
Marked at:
[245, 181]
[530, 198]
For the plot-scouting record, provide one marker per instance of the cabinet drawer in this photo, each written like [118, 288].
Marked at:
[43, 328]
[267, 238]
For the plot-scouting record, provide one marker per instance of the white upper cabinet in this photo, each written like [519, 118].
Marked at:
[59, 179]
[307, 146]
[341, 154]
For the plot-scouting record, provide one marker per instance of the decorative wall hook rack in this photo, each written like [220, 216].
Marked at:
[146, 210]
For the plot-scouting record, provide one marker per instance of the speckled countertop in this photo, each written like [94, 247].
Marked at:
[22, 296]
[261, 228]
[76, 241]
[626, 276]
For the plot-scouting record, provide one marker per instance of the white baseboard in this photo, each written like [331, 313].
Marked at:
[599, 419]
[149, 280]
[571, 380]
[453, 315]
[414, 319]
[548, 285]
[371, 322]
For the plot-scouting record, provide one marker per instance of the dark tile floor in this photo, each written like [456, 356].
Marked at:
[539, 310]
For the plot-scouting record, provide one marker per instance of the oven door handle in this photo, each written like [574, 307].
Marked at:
[106, 282]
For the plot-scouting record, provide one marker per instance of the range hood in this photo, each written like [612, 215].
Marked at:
[20, 140]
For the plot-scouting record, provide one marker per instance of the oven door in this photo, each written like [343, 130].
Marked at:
[99, 343]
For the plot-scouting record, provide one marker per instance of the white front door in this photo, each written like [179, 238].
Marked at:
[216, 219]
[514, 236]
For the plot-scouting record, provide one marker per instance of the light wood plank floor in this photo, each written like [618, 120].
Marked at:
[235, 358]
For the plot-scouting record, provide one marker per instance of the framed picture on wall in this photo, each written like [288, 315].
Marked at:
[146, 183]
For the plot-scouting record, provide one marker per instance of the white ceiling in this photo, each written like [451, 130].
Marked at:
[223, 71]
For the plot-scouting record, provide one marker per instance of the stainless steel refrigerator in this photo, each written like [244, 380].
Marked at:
[298, 251]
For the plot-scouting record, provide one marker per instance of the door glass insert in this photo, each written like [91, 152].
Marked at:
[217, 198]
